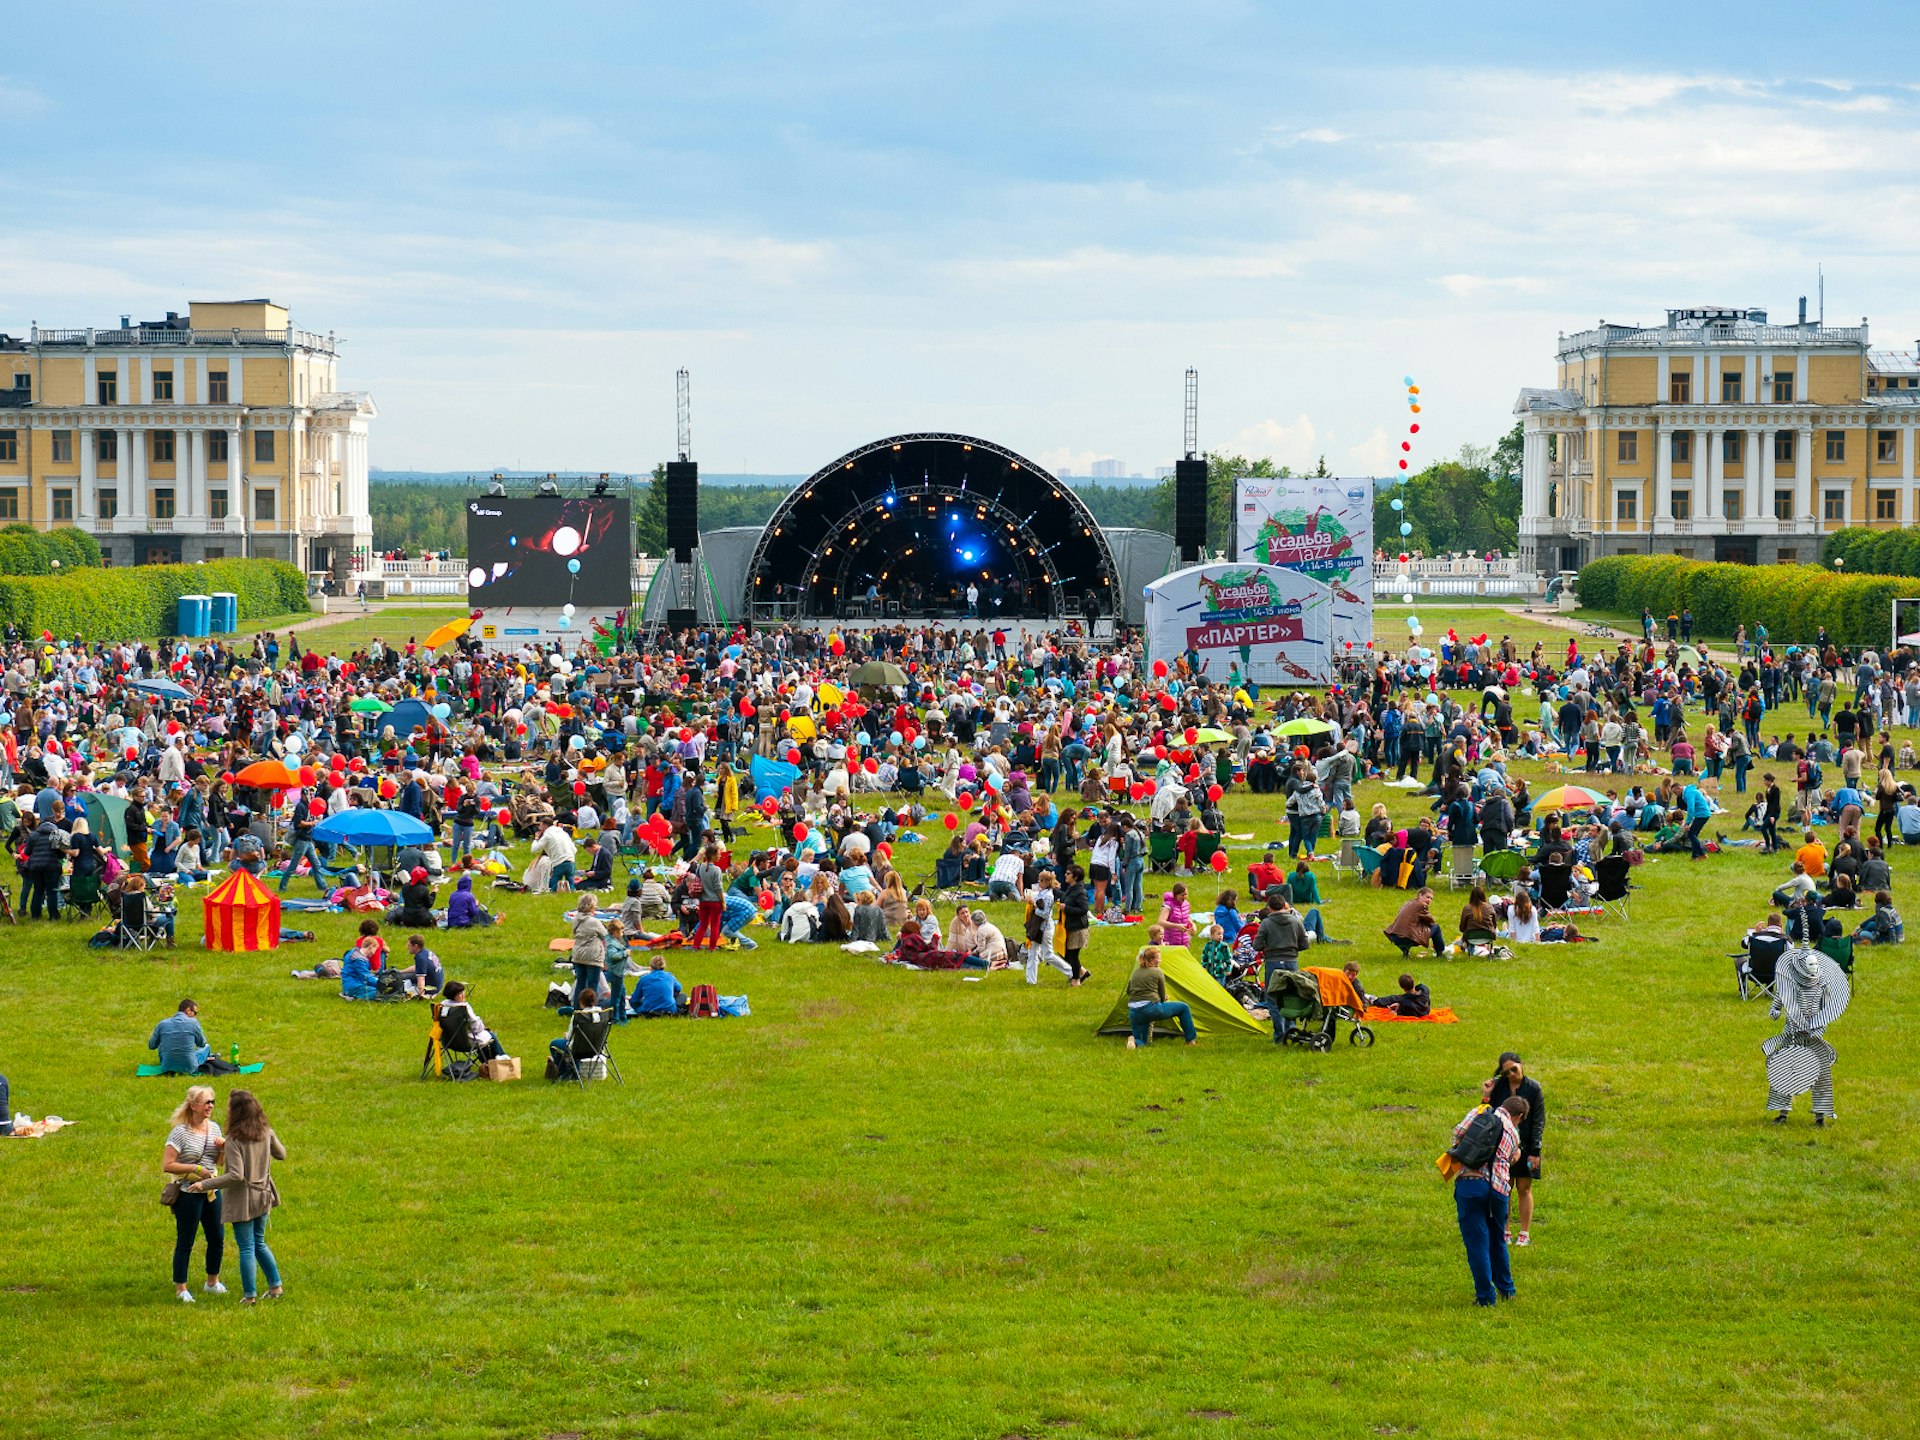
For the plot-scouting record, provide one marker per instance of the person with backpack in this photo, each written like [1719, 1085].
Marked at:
[1485, 1143]
[1511, 1078]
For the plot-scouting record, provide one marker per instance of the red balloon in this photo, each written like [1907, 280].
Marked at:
[769, 805]
[388, 789]
[966, 801]
[1159, 669]
[1214, 792]
[793, 757]
[308, 775]
[1192, 735]
[579, 787]
[746, 710]
[884, 849]
[317, 808]
[133, 752]
[227, 777]
[661, 847]
[1219, 862]
[685, 733]
[766, 900]
[873, 766]
[800, 832]
[357, 765]
[950, 820]
[1169, 704]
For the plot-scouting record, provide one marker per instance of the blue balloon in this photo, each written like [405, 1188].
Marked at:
[895, 738]
[994, 782]
[565, 622]
[513, 539]
[1406, 528]
[864, 739]
[1398, 503]
[442, 711]
[578, 742]
[1413, 622]
[919, 742]
[573, 567]
[1407, 380]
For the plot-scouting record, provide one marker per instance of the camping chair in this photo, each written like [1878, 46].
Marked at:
[1204, 850]
[136, 930]
[1460, 877]
[1611, 887]
[585, 1056]
[1500, 866]
[946, 872]
[83, 893]
[1840, 949]
[1344, 858]
[1369, 862]
[1756, 967]
[1161, 856]
[1486, 938]
[1556, 885]
[459, 1060]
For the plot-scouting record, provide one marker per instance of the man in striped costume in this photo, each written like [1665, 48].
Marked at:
[1813, 994]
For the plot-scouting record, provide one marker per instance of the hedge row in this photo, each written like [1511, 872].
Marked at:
[1875, 552]
[142, 602]
[1792, 601]
[27, 551]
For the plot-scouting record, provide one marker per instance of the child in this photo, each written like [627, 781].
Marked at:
[619, 958]
[1217, 956]
[1176, 916]
[1884, 927]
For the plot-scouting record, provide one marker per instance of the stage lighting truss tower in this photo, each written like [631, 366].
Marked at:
[832, 564]
[1192, 448]
[683, 441]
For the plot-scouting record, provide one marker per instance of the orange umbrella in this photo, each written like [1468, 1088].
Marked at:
[268, 775]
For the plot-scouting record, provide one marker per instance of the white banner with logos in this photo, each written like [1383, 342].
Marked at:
[1321, 526]
[1270, 623]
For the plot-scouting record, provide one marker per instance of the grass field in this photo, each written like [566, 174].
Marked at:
[896, 1204]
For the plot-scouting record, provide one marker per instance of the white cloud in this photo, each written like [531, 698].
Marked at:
[1374, 455]
[1296, 444]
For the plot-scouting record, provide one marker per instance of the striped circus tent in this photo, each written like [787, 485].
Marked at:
[242, 914]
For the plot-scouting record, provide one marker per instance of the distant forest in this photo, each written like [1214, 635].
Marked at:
[415, 515]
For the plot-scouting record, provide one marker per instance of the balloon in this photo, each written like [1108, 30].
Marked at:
[576, 742]
[1403, 464]
[1159, 669]
[579, 787]
[1398, 503]
[295, 744]
[1219, 862]
[356, 765]
[793, 757]
[567, 609]
[1408, 382]
[1406, 527]
[873, 766]
[884, 849]
[686, 732]
[896, 738]
[662, 848]
[746, 710]
[1407, 599]
[308, 775]
[1413, 622]
[316, 808]
[766, 900]
[564, 623]
[387, 788]
[800, 832]
[1214, 792]
[919, 742]
[950, 820]
[1414, 429]
[966, 800]
[1406, 445]
[838, 647]
[863, 739]
[133, 752]
[573, 567]
[769, 806]
[1169, 704]
[1191, 735]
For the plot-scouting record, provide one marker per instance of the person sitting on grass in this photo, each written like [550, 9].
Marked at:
[1884, 926]
[869, 923]
[658, 992]
[463, 910]
[182, 1045]
[427, 975]
[1302, 888]
[1414, 925]
[416, 901]
[1799, 885]
[1147, 1002]
[361, 964]
[1413, 1002]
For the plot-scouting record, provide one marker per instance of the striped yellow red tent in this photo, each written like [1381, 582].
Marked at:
[242, 914]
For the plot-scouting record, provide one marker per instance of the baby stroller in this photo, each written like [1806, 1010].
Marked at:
[1313, 1024]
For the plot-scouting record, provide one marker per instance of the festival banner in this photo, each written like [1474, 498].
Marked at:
[1270, 623]
[1321, 526]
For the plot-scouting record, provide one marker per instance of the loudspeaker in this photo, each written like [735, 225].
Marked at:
[1190, 508]
[678, 620]
[683, 508]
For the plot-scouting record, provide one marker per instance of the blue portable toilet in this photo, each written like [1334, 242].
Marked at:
[226, 612]
[195, 616]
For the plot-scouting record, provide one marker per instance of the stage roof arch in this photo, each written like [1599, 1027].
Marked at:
[922, 516]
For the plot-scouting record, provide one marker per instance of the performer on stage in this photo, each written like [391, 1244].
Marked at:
[1813, 994]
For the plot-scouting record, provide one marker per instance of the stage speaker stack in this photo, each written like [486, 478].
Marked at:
[683, 534]
[1190, 510]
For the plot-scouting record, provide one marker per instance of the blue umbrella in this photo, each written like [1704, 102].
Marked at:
[165, 689]
[373, 827]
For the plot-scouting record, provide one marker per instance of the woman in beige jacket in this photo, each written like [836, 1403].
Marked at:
[249, 1192]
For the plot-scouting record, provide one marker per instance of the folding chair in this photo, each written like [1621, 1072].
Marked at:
[1611, 887]
[1460, 877]
[459, 1058]
[1369, 859]
[1556, 885]
[586, 1055]
[136, 930]
[83, 893]
[1345, 859]
[1500, 867]
[1839, 948]
[1204, 850]
[1755, 968]
[1161, 855]
[1488, 938]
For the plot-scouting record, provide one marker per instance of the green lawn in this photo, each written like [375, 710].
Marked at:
[896, 1204]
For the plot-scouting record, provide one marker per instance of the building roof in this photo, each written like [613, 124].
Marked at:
[1731, 333]
[1894, 362]
[1534, 401]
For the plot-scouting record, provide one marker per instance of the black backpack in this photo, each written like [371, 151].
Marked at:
[1479, 1142]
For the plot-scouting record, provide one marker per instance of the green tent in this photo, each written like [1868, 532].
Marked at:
[1215, 1012]
[107, 818]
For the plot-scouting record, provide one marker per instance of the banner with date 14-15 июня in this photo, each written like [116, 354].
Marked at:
[1321, 526]
[1270, 623]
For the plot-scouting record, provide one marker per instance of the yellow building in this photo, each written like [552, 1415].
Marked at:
[1717, 436]
[220, 434]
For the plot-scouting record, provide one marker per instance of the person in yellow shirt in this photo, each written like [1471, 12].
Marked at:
[1813, 855]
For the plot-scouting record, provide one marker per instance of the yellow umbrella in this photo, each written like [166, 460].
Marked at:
[452, 630]
[830, 694]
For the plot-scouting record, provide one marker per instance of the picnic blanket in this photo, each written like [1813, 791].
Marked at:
[1376, 1015]
[149, 1071]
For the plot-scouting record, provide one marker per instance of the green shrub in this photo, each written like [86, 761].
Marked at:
[1792, 601]
[143, 602]
[27, 551]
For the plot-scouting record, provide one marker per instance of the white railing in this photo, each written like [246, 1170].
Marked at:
[168, 336]
[1466, 566]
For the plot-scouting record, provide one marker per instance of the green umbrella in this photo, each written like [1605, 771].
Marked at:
[879, 672]
[1212, 736]
[1304, 725]
[370, 705]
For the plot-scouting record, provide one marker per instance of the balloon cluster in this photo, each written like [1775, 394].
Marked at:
[1404, 579]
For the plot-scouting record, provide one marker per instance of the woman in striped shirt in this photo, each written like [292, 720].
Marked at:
[193, 1147]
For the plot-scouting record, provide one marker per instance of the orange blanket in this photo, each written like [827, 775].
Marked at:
[1335, 987]
[1442, 1016]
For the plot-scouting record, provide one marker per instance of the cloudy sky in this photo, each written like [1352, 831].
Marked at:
[1021, 220]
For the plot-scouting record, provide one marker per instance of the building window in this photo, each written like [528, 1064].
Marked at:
[162, 385]
[1730, 387]
[1789, 556]
[263, 505]
[1836, 446]
[263, 447]
[1783, 447]
[106, 446]
[106, 387]
[1783, 387]
[1629, 447]
[22, 383]
[1731, 443]
[62, 447]
[217, 447]
[163, 446]
[1683, 447]
[109, 505]
[1884, 504]
[1783, 504]
[1626, 505]
[216, 552]
[216, 504]
[1680, 387]
[1833, 505]
[63, 507]
[1886, 448]
[163, 503]
[9, 504]
[216, 387]
[1682, 501]
[1730, 503]
[9, 447]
